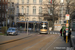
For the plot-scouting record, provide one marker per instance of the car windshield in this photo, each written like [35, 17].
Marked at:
[11, 29]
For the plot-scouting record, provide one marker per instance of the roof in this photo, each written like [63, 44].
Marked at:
[29, 21]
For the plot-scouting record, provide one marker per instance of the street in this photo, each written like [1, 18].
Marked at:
[37, 42]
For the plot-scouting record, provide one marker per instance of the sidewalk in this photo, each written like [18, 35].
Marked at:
[6, 39]
[59, 44]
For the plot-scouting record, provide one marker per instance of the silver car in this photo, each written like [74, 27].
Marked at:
[12, 31]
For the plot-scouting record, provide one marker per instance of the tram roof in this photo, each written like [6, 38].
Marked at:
[29, 21]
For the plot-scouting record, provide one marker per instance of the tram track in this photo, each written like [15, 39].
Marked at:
[38, 44]
[37, 41]
[23, 41]
[35, 44]
[14, 40]
[48, 44]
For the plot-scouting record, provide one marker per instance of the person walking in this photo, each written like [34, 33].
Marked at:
[64, 35]
[61, 31]
[69, 35]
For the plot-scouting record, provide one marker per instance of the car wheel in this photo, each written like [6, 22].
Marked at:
[16, 34]
[7, 34]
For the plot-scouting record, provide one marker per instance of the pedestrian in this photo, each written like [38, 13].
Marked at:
[69, 35]
[61, 31]
[64, 35]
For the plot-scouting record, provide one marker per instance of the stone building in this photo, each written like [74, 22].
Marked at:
[3, 7]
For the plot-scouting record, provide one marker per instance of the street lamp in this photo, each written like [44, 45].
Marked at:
[27, 23]
[67, 20]
[53, 14]
[6, 18]
[25, 19]
[61, 11]
[34, 24]
[68, 6]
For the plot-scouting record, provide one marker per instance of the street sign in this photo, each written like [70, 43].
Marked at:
[66, 28]
[67, 25]
[67, 31]
[66, 34]
[67, 16]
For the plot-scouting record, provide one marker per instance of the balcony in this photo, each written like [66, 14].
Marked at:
[20, 14]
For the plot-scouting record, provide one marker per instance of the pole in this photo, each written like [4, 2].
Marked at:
[25, 20]
[27, 24]
[6, 18]
[67, 31]
[53, 14]
[6, 22]
[62, 11]
[10, 13]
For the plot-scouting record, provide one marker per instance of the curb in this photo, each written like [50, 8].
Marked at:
[73, 45]
[9, 41]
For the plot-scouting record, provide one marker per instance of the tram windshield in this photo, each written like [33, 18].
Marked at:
[43, 25]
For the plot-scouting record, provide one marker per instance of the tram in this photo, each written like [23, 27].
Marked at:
[43, 27]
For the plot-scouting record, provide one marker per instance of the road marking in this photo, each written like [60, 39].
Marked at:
[23, 43]
[44, 47]
[52, 43]
[35, 44]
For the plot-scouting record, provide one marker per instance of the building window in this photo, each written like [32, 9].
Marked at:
[2, 15]
[22, 10]
[22, 1]
[40, 9]
[27, 1]
[22, 19]
[0, 6]
[17, 19]
[27, 9]
[34, 10]
[5, 0]
[17, 9]
[5, 15]
[12, 4]
[40, 1]
[5, 6]
[34, 1]
[17, 1]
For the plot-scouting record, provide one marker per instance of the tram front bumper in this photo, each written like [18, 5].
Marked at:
[43, 31]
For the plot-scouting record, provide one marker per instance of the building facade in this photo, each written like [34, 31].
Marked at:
[3, 12]
[28, 10]
[40, 10]
[11, 13]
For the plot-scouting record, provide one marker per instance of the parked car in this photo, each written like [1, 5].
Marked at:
[12, 31]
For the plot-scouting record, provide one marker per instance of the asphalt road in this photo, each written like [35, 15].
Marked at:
[37, 42]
